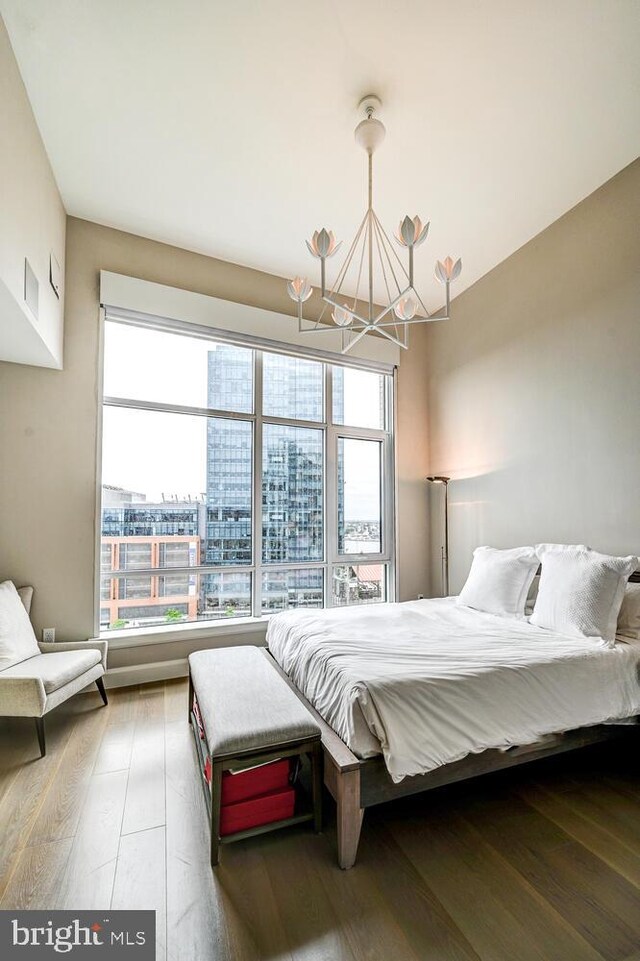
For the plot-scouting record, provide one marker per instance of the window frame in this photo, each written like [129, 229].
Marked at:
[331, 433]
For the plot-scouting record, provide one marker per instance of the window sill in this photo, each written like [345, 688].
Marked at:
[141, 636]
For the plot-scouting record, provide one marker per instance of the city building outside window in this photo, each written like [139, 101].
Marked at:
[239, 482]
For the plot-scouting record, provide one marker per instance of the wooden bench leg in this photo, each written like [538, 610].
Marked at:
[316, 775]
[216, 797]
[350, 816]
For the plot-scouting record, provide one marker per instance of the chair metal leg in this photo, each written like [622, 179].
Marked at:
[40, 730]
[103, 693]
[216, 798]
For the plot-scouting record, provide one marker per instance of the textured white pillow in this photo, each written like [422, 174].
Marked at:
[629, 616]
[499, 580]
[17, 640]
[580, 590]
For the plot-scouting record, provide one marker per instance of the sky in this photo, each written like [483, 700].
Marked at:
[157, 454]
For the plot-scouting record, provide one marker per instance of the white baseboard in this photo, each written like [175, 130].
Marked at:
[146, 673]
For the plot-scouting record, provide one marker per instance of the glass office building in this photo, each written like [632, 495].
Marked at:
[291, 476]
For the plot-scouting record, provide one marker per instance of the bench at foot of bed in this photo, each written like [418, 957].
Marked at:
[247, 717]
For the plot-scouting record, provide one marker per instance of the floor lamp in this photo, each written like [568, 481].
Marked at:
[445, 549]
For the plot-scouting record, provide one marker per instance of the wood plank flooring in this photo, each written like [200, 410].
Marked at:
[541, 863]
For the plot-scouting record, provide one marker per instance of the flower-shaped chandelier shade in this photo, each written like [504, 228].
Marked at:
[411, 233]
[384, 299]
[405, 309]
[341, 315]
[299, 289]
[323, 243]
[447, 270]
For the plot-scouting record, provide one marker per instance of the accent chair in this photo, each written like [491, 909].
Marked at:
[36, 677]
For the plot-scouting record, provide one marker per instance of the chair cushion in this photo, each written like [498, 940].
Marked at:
[26, 596]
[17, 639]
[55, 670]
[244, 703]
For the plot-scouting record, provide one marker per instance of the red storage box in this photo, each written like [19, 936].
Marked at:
[275, 806]
[254, 782]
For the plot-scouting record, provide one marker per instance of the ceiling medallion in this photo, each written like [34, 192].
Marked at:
[385, 300]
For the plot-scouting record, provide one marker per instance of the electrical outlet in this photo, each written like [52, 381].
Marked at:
[48, 635]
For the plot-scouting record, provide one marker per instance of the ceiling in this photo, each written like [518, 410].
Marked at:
[227, 128]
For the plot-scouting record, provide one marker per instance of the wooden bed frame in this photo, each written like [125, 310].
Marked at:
[356, 784]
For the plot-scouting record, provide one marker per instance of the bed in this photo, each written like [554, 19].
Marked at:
[416, 695]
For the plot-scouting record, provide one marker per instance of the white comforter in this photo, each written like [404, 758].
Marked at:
[428, 682]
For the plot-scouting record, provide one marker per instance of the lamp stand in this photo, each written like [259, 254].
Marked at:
[444, 550]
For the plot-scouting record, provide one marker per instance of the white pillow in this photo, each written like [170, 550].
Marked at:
[629, 616]
[499, 580]
[17, 639]
[580, 590]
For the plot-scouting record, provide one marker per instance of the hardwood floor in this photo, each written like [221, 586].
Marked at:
[541, 863]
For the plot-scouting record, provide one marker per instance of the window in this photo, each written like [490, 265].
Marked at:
[359, 491]
[239, 482]
[358, 398]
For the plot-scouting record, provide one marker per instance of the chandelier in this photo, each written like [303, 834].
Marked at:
[385, 300]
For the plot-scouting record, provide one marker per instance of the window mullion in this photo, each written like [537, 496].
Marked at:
[158, 407]
[257, 485]
[331, 488]
[390, 523]
[361, 433]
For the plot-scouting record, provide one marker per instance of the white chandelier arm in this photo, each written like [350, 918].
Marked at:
[415, 320]
[384, 274]
[410, 288]
[381, 247]
[385, 333]
[354, 340]
[318, 325]
[391, 247]
[335, 290]
[352, 313]
[384, 254]
[360, 266]
[389, 308]
[366, 330]
[385, 241]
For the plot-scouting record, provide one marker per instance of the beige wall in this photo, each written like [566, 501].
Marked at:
[413, 463]
[534, 388]
[48, 429]
[32, 225]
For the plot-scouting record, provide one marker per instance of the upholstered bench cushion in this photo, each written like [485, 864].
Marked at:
[244, 703]
[55, 670]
